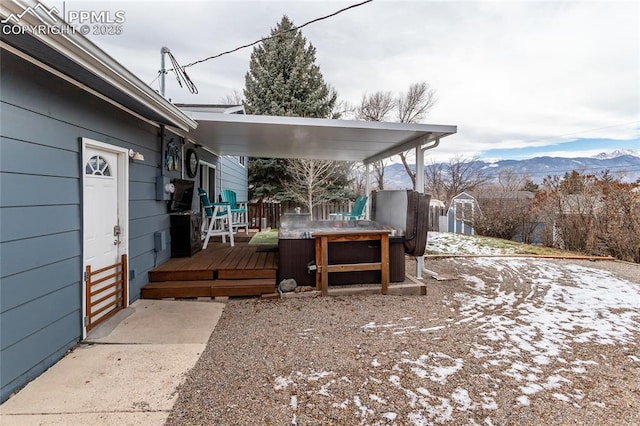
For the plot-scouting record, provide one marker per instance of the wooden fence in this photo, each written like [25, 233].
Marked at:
[266, 214]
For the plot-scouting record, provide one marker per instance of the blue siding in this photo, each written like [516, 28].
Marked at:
[42, 122]
[31, 356]
[234, 177]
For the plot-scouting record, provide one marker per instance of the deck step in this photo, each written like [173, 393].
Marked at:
[207, 288]
[247, 274]
[184, 275]
[255, 287]
[165, 289]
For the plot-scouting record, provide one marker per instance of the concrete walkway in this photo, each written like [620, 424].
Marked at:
[126, 372]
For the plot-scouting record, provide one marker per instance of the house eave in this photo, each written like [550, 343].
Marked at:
[75, 56]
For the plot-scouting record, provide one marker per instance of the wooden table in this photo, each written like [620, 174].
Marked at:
[323, 238]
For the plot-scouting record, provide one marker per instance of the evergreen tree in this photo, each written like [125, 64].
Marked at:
[283, 80]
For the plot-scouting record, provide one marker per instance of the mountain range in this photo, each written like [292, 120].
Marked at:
[624, 164]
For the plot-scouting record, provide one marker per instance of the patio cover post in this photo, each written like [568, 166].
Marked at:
[367, 189]
[420, 189]
[420, 150]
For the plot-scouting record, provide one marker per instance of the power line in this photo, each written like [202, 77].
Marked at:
[181, 75]
[277, 35]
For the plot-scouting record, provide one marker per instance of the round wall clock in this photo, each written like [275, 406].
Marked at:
[191, 163]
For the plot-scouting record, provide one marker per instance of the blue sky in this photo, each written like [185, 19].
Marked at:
[576, 148]
[518, 78]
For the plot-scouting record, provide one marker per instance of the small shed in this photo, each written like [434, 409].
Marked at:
[461, 211]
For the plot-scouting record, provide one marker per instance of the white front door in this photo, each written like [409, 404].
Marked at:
[105, 212]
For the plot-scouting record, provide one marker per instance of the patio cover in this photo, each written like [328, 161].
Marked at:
[310, 138]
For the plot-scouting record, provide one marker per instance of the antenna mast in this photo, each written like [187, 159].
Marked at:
[163, 70]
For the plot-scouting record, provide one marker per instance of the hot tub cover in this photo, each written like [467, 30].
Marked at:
[405, 210]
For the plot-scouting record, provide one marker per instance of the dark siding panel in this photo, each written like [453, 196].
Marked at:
[140, 245]
[20, 322]
[139, 209]
[142, 190]
[147, 225]
[29, 190]
[25, 360]
[42, 121]
[28, 222]
[44, 94]
[144, 172]
[143, 264]
[18, 124]
[22, 255]
[35, 283]
[29, 158]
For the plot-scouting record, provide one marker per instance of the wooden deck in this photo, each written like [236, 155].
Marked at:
[220, 270]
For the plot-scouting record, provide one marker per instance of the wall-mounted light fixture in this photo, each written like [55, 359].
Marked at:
[135, 155]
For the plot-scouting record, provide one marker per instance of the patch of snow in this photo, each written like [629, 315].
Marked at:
[431, 366]
[319, 375]
[523, 400]
[462, 398]
[294, 402]
[478, 283]
[439, 327]
[450, 243]
[376, 398]
[561, 397]
[375, 363]
[281, 383]
[569, 297]
[344, 404]
[389, 416]
[324, 389]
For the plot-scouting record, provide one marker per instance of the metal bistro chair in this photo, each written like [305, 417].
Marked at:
[219, 216]
[238, 210]
[357, 212]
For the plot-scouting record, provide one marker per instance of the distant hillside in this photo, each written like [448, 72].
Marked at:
[624, 164]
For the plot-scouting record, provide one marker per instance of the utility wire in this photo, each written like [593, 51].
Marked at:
[181, 75]
[277, 35]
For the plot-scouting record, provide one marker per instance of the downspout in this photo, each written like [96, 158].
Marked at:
[420, 150]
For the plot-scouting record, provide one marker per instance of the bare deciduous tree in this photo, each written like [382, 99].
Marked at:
[512, 181]
[595, 214]
[310, 181]
[445, 181]
[413, 107]
[410, 107]
[376, 107]
[235, 98]
[434, 180]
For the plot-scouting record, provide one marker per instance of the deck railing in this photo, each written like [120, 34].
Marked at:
[266, 214]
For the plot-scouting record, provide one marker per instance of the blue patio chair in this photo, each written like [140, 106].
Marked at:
[238, 210]
[357, 212]
[219, 217]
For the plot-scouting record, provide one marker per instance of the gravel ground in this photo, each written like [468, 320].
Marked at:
[511, 341]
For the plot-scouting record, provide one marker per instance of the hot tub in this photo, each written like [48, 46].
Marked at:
[296, 248]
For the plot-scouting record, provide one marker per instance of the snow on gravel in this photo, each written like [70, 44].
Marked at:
[446, 242]
[512, 341]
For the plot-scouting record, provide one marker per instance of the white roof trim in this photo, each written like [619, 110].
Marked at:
[86, 54]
